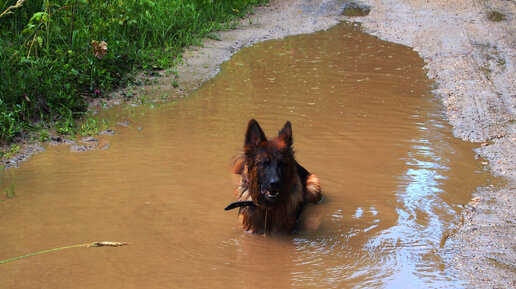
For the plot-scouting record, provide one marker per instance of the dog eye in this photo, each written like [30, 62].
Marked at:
[265, 161]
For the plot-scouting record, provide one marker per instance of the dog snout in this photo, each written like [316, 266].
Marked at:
[275, 183]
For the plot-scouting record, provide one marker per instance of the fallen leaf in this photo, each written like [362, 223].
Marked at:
[99, 48]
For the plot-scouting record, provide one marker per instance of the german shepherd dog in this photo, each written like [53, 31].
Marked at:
[273, 188]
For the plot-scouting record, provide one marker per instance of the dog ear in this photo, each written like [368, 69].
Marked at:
[254, 135]
[286, 134]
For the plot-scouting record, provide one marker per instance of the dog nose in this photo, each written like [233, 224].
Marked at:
[274, 183]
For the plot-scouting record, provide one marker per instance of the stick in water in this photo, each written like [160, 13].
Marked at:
[89, 245]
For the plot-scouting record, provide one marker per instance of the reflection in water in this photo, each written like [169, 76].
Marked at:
[364, 121]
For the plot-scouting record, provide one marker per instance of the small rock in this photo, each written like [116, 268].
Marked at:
[82, 148]
[89, 139]
[107, 132]
[56, 138]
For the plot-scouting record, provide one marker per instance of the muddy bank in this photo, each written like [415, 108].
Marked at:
[470, 55]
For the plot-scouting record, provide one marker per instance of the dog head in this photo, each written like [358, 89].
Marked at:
[269, 165]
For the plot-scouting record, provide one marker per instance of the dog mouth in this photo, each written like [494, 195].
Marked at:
[270, 195]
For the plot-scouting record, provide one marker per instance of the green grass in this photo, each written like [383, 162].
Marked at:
[8, 153]
[47, 64]
[9, 192]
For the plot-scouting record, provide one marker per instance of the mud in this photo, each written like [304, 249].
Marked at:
[26, 151]
[469, 49]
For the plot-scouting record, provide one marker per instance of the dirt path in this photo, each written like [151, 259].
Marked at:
[471, 56]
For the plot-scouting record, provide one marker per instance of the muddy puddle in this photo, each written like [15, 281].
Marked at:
[364, 120]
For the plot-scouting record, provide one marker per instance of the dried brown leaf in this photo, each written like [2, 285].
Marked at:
[99, 48]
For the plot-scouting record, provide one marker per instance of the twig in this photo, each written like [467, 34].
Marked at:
[8, 10]
[89, 245]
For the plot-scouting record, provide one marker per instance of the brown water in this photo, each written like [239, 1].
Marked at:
[364, 120]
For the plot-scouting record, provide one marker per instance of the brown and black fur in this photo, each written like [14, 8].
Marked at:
[272, 179]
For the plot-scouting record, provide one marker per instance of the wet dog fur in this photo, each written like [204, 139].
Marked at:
[272, 179]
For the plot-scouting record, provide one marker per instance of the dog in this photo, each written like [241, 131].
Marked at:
[273, 188]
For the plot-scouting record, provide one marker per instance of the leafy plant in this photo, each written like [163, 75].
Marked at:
[54, 55]
[43, 135]
[14, 149]
[9, 192]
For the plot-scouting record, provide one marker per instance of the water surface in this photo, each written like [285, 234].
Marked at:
[364, 120]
